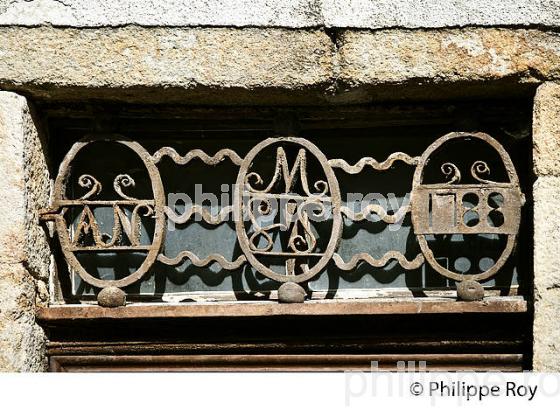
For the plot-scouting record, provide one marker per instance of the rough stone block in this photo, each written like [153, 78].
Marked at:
[25, 186]
[546, 196]
[546, 332]
[375, 14]
[450, 56]
[546, 337]
[22, 341]
[256, 66]
[546, 130]
[371, 14]
[24, 250]
[179, 13]
[204, 63]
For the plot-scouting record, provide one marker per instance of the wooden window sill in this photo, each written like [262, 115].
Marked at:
[508, 304]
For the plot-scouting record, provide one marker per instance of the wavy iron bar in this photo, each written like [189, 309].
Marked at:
[368, 161]
[217, 158]
[209, 218]
[213, 258]
[374, 209]
[379, 263]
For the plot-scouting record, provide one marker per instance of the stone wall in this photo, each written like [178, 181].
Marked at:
[371, 14]
[24, 251]
[275, 66]
[546, 192]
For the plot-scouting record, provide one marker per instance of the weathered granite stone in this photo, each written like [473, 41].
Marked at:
[25, 186]
[371, 14]
[546, 337]
[24, 251]
[450, 56]
[546, 130]
[274, 66]
[22, 341]
[546, 195]
[87, 13]
[199, 65]
[546, 333]
[375, 14]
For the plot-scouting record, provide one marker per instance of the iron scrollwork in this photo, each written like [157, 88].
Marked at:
[435, 209]
[439, 208]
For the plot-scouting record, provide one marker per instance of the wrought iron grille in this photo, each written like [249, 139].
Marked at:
[278, 206]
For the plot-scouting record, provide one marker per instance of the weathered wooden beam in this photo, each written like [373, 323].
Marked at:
[256, 309]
